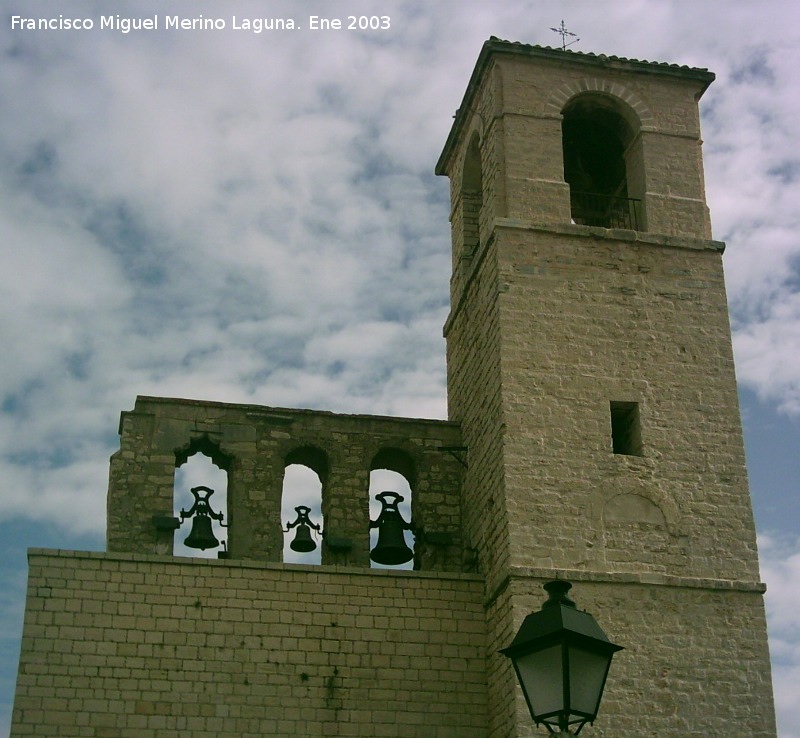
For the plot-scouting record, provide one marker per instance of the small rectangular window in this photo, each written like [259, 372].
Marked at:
[626, 432]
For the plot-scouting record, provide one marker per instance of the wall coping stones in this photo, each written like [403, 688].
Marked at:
[279, 415]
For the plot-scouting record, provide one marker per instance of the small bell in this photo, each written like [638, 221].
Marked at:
[303, 542]
[201, 535]
[391, 548]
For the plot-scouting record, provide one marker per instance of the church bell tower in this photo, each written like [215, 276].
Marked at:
[591, 371]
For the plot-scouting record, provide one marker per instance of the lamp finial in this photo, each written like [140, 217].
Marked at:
[557, 593]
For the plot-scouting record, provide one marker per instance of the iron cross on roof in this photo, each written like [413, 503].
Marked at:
[563, 32]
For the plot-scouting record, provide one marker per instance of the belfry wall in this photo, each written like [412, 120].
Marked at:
[254, 444]
[593, 435]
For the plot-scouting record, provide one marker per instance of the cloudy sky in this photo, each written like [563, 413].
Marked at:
[254, 218]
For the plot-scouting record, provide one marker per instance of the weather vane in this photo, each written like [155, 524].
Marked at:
[563, 32]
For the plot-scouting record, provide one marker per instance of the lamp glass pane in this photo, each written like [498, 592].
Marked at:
[542, 679]
[587, 673]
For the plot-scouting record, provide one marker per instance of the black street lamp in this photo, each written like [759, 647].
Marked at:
[561, 657]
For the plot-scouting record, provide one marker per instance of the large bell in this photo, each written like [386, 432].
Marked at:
[391, 548]
[201, 536]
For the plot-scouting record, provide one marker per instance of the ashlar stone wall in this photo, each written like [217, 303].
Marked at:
[138, 646]
[588, 321]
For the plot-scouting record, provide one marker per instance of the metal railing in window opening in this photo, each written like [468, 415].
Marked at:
[606, 211]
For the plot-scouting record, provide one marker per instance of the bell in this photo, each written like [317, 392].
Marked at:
[201, 536]
[391, 548]
[303, 542]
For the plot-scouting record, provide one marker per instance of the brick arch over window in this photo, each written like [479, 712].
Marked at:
[601, 124]
[605, 492]
[633, 107]
[636, 526]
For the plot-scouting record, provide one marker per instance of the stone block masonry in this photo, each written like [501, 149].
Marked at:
[136, 646]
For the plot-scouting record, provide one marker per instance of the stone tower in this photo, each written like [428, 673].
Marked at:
[591, 372]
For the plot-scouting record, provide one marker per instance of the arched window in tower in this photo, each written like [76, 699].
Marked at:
[301, 505]
[201, 501]
[602, 163]
[391, 480]
[472, 196]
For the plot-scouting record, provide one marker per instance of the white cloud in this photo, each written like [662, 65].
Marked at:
[767, 351]
[780, 566]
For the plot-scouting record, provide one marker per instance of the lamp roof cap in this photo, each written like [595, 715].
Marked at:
[558, 620]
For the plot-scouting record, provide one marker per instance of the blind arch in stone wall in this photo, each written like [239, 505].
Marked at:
[472, 196]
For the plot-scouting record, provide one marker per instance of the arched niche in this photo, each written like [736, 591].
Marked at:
[392, 470]
[472, 196]
[603, 162]
[201, 463]
[304, 477]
